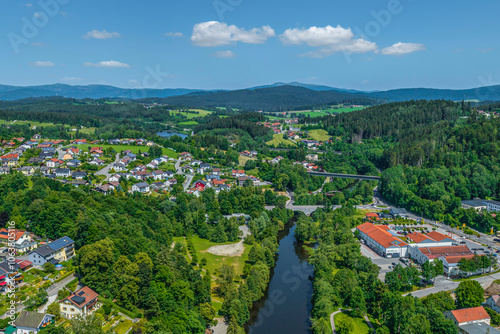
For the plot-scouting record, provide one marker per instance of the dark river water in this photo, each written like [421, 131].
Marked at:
[286, 306]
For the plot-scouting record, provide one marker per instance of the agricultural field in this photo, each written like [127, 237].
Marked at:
[278, 139]
[319, 135]
[30, 123]
[134, 148]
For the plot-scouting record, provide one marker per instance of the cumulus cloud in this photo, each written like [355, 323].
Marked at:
[328, 40]
[174, 34]
[399, 49]
[40, 63]
[224, 54]
[215, 33]
[108, 64]
[101, 34]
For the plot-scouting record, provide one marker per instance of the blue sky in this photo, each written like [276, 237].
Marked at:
[231, 44]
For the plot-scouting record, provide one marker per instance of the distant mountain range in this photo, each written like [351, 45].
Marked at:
[90, 91]
[277, 96]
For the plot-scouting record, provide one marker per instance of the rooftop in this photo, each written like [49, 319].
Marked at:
[381, 236]
[470, 314]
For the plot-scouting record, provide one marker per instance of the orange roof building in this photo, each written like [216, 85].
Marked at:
[467, 316]
[382, 241]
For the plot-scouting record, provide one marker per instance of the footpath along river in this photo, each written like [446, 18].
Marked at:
[286, 306]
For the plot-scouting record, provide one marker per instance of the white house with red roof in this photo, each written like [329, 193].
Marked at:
[465, 316]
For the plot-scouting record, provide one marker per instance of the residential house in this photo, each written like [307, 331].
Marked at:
[4, 170]
[242, 179]
[26, 170]
[159, 175]
[398, 213]
[57, 251]
[54, 163]
[97, 162]
[204, 168]
[493, 302]
[37, 137]
[10, 160]
[158, 186]
[141, 187]
[467, 316]
[81, 303]
[78, 175]
[32, 322]
[238, 173]
[216, 171]
[63, 172]
[73, 163]
[35, 160]
[46, 155]
[115, 178]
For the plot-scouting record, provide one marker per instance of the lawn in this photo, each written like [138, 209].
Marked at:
[242, 160]
[31, 123]
[189, 123]
[278, 139]
[134, 148]
[360, 325]
[199, 113]
[215, 261]
[344, 109]
[319, 135]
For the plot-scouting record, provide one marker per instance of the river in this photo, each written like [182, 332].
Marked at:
[286, 305]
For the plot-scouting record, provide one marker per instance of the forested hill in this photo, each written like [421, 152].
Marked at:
[280, 98]
[392, 121]
[480, 94]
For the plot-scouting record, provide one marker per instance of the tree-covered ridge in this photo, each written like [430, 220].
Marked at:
[271, 99]
[390, 121]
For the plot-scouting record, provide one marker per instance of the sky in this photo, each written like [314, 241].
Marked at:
[234, 44]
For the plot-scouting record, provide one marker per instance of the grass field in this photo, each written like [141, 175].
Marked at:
[31, 123]
[360, 325]
[133, 148]
[324, 112]
[242, 160]
[200, 113]
[319, 135]
[189, 123]
[278, 139]
[344, 109]
[215, 261]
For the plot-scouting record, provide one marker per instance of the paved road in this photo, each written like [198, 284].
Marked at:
[189, 177]
[447, 285]
[106, 169]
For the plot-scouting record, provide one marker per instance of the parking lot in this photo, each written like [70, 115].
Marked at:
[382, 262]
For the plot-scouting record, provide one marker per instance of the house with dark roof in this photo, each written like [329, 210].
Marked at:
[78, 175]
[57, 251]
[493, 302]
[63, 172]
[81, 303]
[141, 187]
[398, 213]
[32, 322]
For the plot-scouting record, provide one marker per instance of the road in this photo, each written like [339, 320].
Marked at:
[189, 177]
[444, 284]
[107, 168]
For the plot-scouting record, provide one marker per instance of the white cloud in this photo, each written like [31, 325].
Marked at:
[399, 49]
[29, 5]
[174, 34]
[40, 63]
[37, 14]
[215, 33]
[101, 34]
[224, 54]
[328, 40]
[108, 64]
[38, 44]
